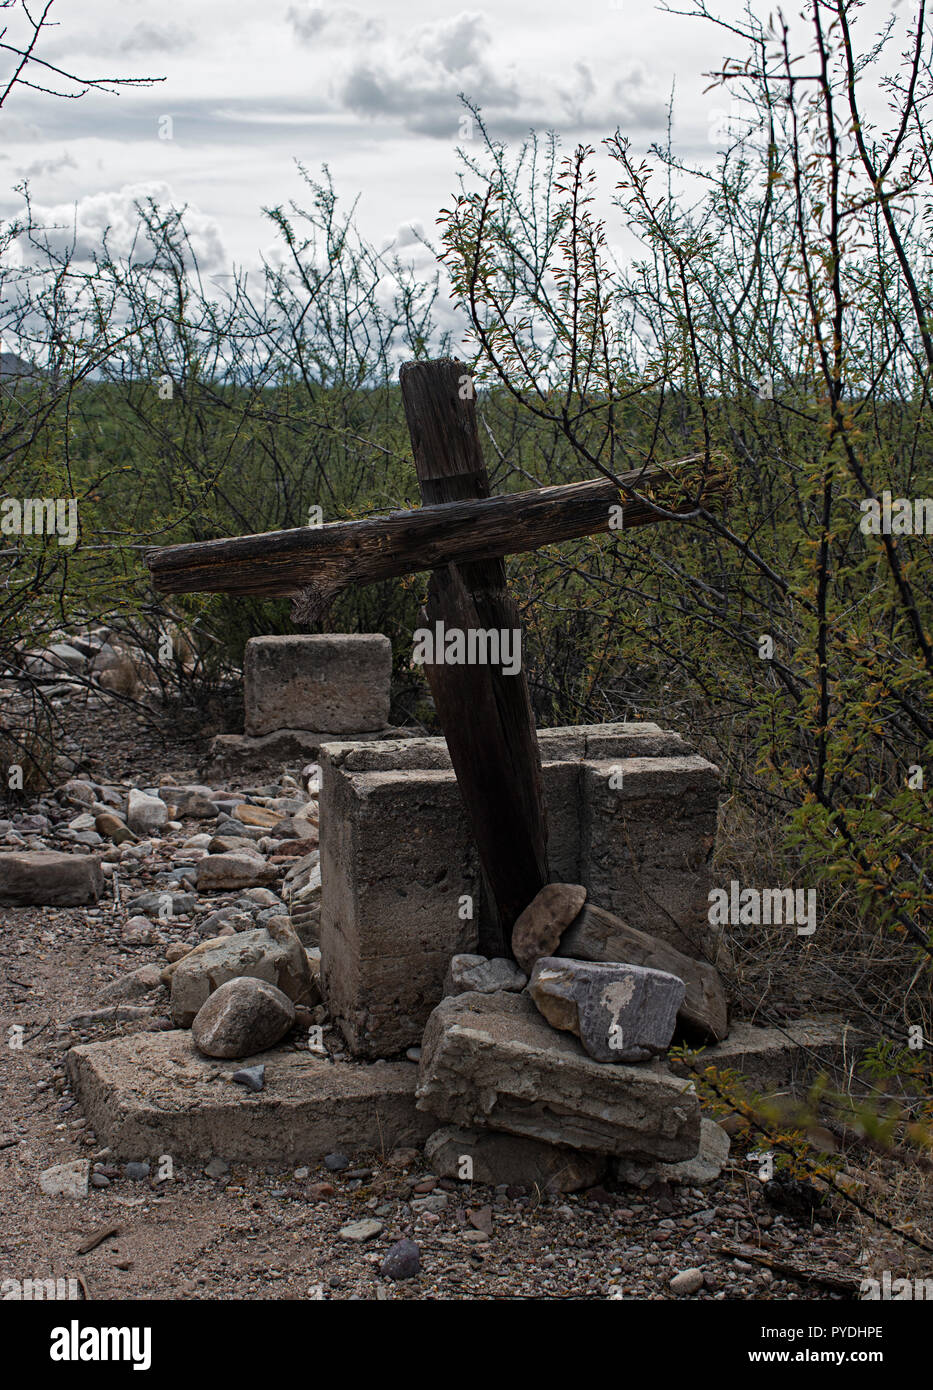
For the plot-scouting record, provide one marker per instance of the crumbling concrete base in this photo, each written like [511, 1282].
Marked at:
[153, 1093]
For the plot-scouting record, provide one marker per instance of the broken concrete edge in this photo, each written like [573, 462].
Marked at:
[149, 1094]
[403, 750]
[491, 1061]
[791, 1056]
[152, 1094]
[231, 753]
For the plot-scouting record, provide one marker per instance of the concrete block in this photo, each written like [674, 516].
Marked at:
[647, 839]
[397, 858]
[338, 682]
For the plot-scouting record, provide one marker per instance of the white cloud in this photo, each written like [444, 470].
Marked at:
[114, 214]
[416, 77]
[156, 38]
[39, 168]
[318, 26]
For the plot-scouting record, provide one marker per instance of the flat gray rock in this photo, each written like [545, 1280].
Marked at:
[599, 935]
[620, 1013]
[491, 1061]
[221, 873]
[705, 1167]
[485, 976]
[45, 878]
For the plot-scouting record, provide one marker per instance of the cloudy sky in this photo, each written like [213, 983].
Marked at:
[371, 89]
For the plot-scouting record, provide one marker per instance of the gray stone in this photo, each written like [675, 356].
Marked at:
[646, 841]
[336, 1162]
[223, 873]
[790, 1057]
[190, 801]
[538, 930]
[469, 972]
[217, 1168]
[335, 682]
[138, 931]
[145, 815]
[620, 1013]
[242, 1017]
[396, 861]
[688, 1281]
[705, 1167]
[66, 1179]
[237, 754]
[402, 1261]
[496, 1158]
[360, 1231]
[254, 1078]
[601, 936]
[45, 878]
[490, 1060]
[278, 959]
[137, 1172]
[165, 905]
[133, 985]
[153, 1093]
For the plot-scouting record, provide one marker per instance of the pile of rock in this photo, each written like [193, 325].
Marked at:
[567, 1060]
[78, 661]
[208, 873]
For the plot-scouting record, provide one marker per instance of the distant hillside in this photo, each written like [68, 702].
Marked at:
[11, 365]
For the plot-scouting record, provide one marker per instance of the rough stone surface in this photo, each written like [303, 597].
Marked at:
[359, 1231]
[688, 1281]
[153, 1093]
[145, 815]
[45, 878]
[336, 682]
[278, 959]
[402, 1261]
[396, 860]
[490, 1060]
[703, 1168]
[469, 972]
[398, 863]
[646, 842]
[237, 754]
[540, 927]
[66, 1179]
[620, 1013]
[221, 873]
[601, 936]
[790, 1057]
[242, 1017]
[254, 1078]
[506, 1158]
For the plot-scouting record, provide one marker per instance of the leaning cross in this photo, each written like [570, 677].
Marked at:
[461, 535]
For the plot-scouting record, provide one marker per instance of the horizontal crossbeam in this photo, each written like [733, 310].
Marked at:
[325, 559]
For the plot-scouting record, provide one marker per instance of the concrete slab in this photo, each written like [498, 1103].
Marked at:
[789, 1057]
[153, 1093]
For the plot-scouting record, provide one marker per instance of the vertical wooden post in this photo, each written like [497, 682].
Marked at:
[486, 715]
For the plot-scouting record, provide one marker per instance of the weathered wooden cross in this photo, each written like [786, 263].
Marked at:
[461, 535]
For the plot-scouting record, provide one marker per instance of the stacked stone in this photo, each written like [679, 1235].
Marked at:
[555, 1074]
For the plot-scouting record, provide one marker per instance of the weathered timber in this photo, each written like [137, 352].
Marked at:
[331, 556]
[486, 715]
